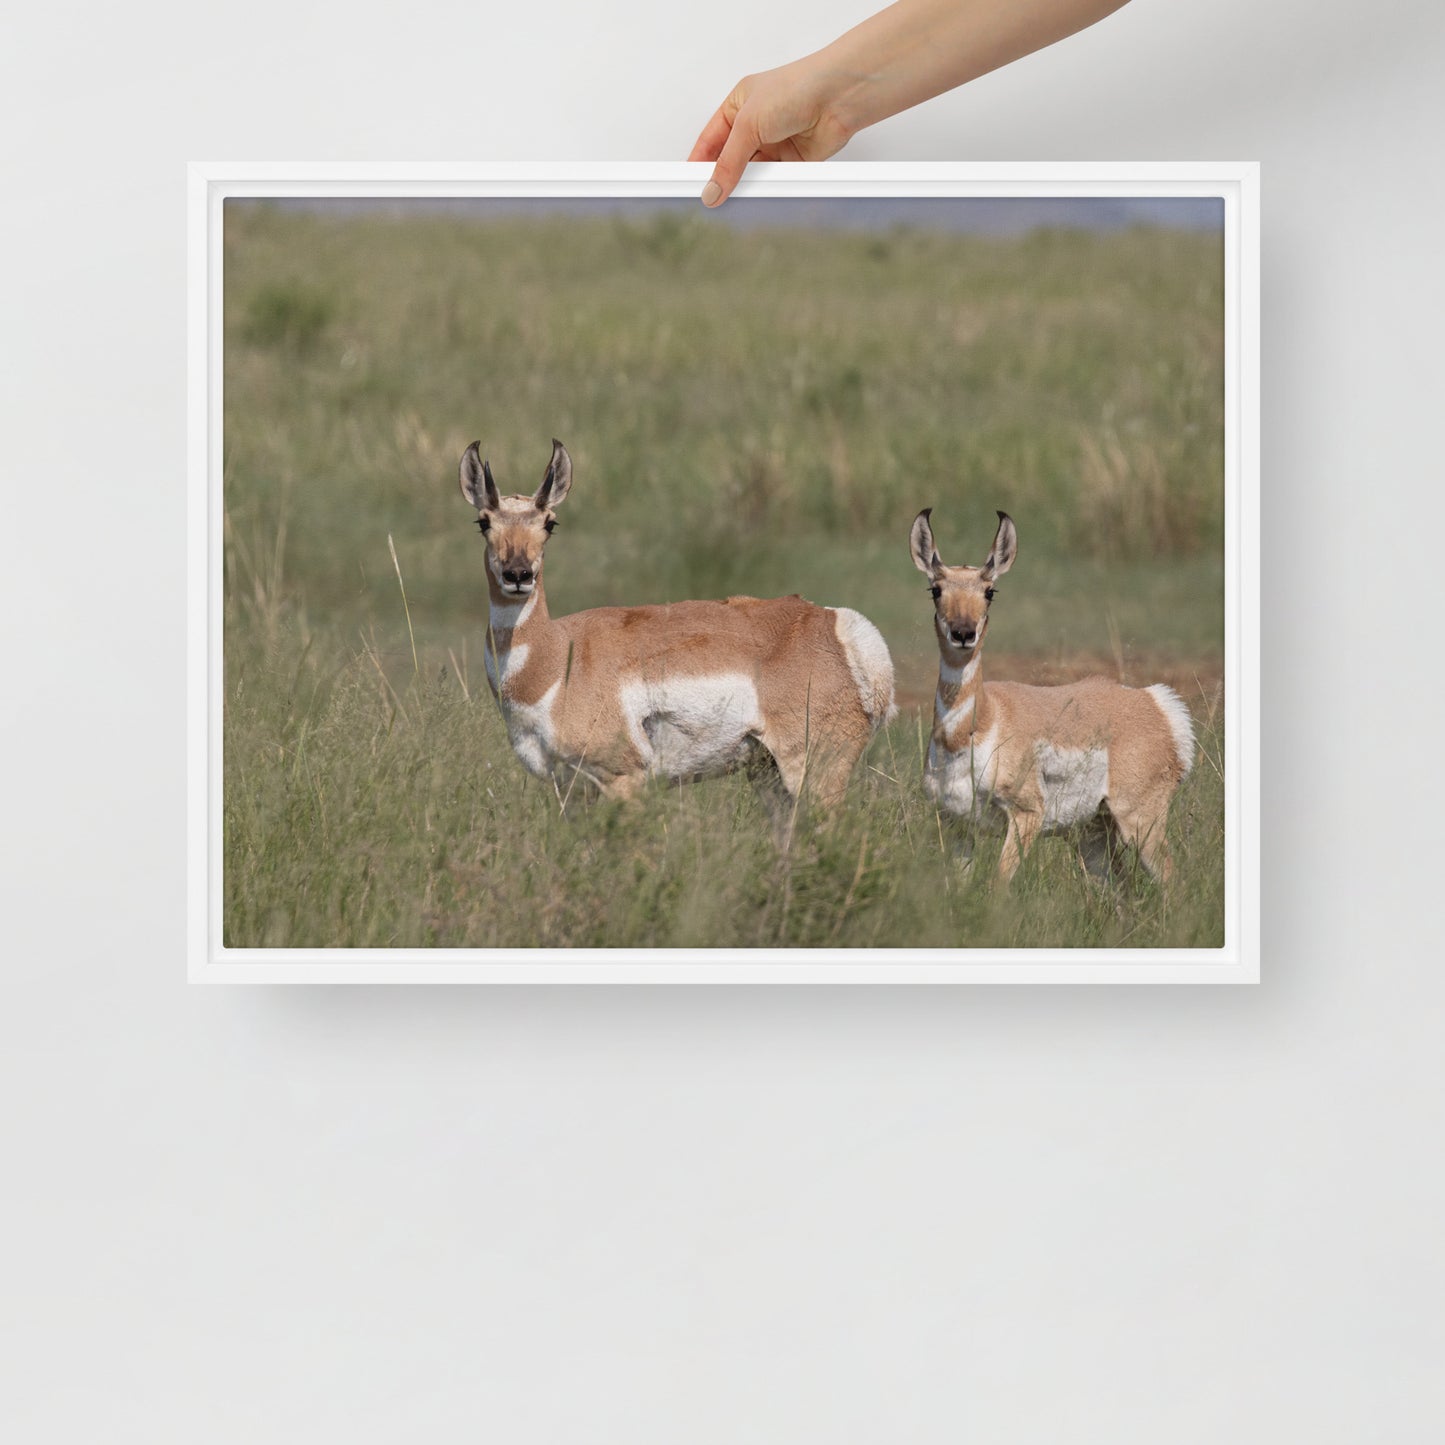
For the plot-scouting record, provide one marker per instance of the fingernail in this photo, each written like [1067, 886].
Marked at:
[711, 193]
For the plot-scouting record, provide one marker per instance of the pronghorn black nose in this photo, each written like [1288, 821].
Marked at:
[517, 575]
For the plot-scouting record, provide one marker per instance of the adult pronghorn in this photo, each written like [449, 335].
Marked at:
[681, 691]
[1093, 758]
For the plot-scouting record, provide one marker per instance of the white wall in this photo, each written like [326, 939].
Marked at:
[647, 1216]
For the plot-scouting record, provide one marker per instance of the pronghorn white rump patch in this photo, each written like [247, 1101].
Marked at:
[1073, 781]
[870, 663]
[1176, 714]
[688, 727]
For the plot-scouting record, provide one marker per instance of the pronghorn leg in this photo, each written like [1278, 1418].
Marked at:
[816, 772]
[771, 788]
[1153, 847]
[964, 840]
[796, 769]
[1023, 828]
[1144, 829]
[1099, 848]
[623, 788]
[828, 774]
[966, 831]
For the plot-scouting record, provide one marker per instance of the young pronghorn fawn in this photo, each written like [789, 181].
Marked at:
[611, 697]
[1094, 759]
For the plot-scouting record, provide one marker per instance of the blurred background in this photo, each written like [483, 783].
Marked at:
[757, 400]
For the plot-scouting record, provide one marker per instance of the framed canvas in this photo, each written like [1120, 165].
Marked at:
[737, 738]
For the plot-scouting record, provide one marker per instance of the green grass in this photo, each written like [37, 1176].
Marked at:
[373, 813]
[747, 412]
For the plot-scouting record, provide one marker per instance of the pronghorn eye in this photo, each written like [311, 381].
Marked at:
[550, 524]
[484, 524]
[988, 594]
[936, 591]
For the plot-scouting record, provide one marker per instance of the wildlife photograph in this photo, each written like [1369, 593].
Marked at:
[806, 573]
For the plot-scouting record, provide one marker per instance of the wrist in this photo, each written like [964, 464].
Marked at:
[840, 91]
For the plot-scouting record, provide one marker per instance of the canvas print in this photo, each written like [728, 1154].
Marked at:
[816, 573]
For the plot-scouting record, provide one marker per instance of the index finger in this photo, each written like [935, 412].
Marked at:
[742, 145]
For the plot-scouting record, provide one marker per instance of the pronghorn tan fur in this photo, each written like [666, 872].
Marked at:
[686, 690]
[1095, 759]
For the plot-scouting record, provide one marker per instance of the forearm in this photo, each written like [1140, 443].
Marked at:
[917, 49]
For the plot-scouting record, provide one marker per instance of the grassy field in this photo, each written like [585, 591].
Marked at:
[755, 412]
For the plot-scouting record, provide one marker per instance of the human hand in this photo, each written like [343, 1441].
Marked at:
[780, 115]
[908, 53]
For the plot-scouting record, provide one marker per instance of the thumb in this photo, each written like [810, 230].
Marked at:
[740, 147]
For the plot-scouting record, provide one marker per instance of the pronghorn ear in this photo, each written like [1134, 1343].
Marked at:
[920, 543]
[558, 481]
[1005, 548]
[476, 477]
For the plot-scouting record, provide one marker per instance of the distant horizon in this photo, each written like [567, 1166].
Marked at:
[1009, 216]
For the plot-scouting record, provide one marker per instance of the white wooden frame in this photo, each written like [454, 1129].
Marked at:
[1235, 183]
